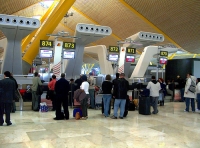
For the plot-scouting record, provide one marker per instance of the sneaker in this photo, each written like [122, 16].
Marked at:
[120, 117]
[113, 117]
[185, 110]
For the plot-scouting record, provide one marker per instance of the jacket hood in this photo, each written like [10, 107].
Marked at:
[154, 81]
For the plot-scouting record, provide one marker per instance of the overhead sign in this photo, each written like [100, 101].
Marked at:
[113, 49]
[46, 43]
[69, 45]
[131, 50]
[164, 53]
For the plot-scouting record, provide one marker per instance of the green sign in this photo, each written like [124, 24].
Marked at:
[69, 45]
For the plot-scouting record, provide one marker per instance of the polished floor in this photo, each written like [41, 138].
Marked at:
[170, 128]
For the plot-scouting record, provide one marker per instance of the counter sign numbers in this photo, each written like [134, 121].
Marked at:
[69, 45]
[113, 49]
[46, 43]
[131, 50]
[164, 53]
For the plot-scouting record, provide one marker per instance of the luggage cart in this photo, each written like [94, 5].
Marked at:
[98, 100]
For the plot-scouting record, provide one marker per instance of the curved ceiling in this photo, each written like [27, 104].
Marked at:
[177, 20]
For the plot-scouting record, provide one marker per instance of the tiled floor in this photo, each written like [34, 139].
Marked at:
[171, 128]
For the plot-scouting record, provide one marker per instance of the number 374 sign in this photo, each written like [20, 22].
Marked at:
[164, 53]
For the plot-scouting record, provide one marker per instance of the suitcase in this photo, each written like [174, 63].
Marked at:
[144, 105]
[131, 106]
[127, 106]
[77, 110]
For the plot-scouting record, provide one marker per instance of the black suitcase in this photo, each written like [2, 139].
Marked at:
[127, 106]
[144, 105]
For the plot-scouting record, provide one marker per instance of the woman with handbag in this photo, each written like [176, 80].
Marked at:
[162, 92]
[84, 103]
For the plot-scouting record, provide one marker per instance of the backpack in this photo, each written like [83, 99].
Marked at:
[192, 87]
[122, 88]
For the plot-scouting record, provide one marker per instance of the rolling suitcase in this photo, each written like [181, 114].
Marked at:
[144, 105]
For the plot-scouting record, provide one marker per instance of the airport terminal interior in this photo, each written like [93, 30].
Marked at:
[94, 38]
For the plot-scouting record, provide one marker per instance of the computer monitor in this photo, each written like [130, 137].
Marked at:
[113, 57]
[46, 53]
[130, 58]
[163, 60]
[68, 55]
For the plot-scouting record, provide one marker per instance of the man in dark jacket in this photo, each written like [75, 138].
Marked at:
[114, 82]
[7, 95]
[120, 95]
[62, 88]
[13, 108]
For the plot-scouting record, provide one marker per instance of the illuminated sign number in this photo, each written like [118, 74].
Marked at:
[113, 49]
[130, 50]
[164, 53]
[69, 45]
[46, 43]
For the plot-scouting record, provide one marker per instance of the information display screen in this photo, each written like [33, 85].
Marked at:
[113, 57]
[68, 55]
[163, 60]
[130, 59]
[45, 53]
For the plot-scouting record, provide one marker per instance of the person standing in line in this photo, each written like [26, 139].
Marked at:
[51, 86]
[84, 103]
[162, 92]
[7, 95]
[35, 98]
[154, 88]
[198, 94]
[107, 87]
[114, 82]
[78, 83]
[120, 95]
[188, 94]
[62, 89]
[181, 86]
[91, 93]
[71, 94]
[16, 93]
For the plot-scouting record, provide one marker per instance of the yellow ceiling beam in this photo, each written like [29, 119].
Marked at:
[194, 55]
[148, 22]
[28, 38]
[49, 26]
[172, 56]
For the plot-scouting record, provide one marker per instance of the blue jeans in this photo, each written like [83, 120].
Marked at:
[91, 93]
[106, 101]
[198, 101]
[187, 102]
[154, 104]
[119, 103]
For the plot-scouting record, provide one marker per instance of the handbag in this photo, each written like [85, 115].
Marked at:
[39, 90]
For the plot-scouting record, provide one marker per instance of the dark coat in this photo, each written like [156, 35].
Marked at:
[117, 93]
[62, 88]
[7, 90]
